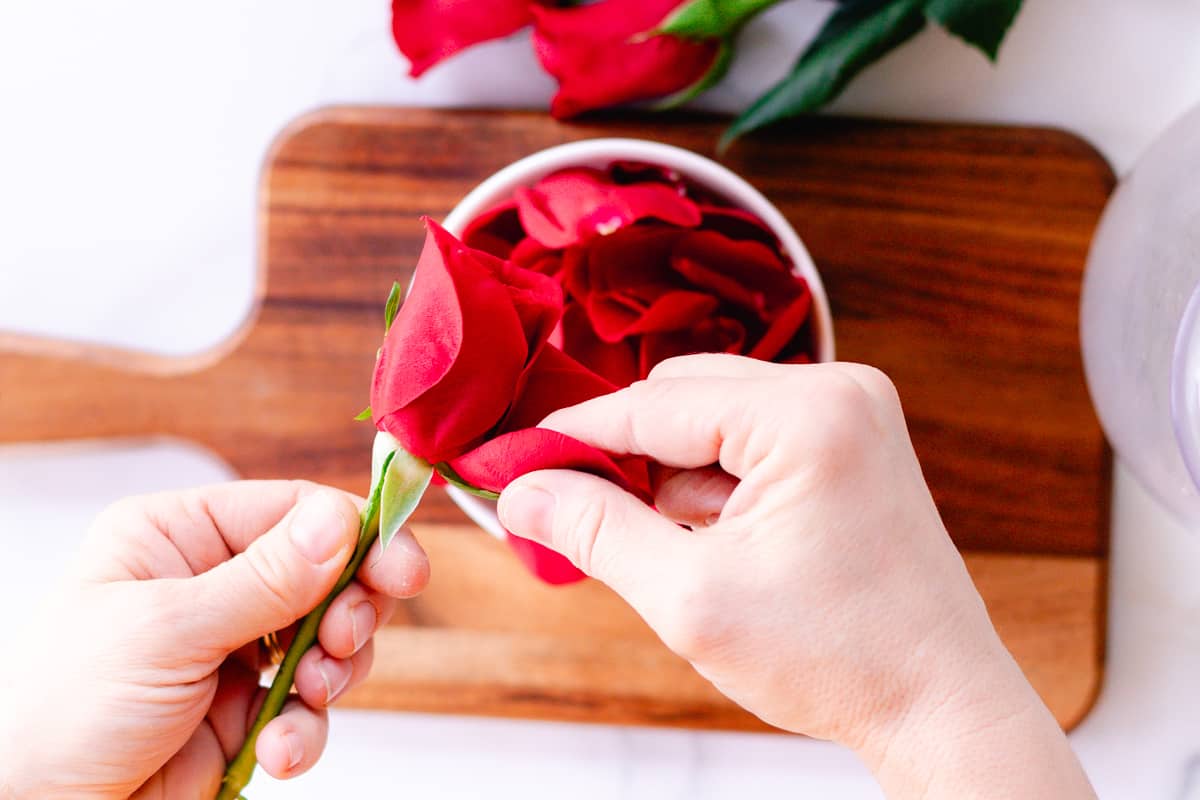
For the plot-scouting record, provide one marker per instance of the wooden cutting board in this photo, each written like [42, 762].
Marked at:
[952, 256]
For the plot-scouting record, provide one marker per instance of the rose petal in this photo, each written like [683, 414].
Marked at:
[496, 230]
[747, 272]
[616, 362]
[553, 381]
[575, 204]
[594, 52]
[719, 335]
[551, 567]
[499, 461]
[741, 225]
[427, 31]
[784, 328]
[532, 254]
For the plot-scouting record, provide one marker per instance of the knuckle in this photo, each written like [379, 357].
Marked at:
[580, 526]
[276, 585]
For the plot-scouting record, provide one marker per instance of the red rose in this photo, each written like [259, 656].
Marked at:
[451, 363]
[595, 52]
[427, 31]
[465, 372]
[665, 269]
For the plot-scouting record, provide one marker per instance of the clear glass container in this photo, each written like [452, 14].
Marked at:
[1140, 319]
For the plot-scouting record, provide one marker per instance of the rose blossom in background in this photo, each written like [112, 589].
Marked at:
[594, 50]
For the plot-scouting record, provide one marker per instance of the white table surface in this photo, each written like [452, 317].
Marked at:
[130, 139]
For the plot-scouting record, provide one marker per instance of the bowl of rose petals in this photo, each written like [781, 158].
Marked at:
[659, 252]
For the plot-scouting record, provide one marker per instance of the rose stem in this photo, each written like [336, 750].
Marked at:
[239, 771]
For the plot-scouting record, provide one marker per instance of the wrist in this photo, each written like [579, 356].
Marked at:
[988, 735]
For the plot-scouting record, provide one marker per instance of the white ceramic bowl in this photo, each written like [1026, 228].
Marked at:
[600, 153]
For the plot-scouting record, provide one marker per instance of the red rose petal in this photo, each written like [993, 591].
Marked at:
[783, 328]
[553, 381]
[496, 230]
[576, 204]
[499, 461]
[532, 254]
[427, 31]
[719, 335]
[549, 566]
[746, 273]
[741, 225]
[593, 51]
[617, 362]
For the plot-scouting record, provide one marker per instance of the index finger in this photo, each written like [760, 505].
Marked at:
[685, 422]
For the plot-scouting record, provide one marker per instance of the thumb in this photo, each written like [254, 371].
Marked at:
[605, 531]
[280, 577]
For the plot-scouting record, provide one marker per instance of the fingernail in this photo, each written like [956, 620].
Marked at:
[335, 675]
[528, 511]
[295, 748]
[317, 529]
[363, 619]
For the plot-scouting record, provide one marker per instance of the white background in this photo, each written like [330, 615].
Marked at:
[131, 134]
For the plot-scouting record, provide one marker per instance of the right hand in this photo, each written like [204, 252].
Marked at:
[817, 586]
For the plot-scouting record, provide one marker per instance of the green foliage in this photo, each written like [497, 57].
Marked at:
[392, 306]
[860, 32]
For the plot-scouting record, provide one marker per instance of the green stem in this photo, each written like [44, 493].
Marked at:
[239, 771]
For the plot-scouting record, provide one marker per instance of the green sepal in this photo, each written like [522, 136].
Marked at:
[364, 414]
[708, 80]
[371, 509]
[405, 479]
[392, 306]
[982, 23]
[857, 34]
[710, 19]
[455, 480]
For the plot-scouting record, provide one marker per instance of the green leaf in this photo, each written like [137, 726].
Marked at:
[393, 305]
[717, 71]
[982, 23]
[710, 19]
[454, 479]
[364, 414]
[857, 34]
[405, 479]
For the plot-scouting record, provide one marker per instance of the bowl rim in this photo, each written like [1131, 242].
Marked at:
[601, 152]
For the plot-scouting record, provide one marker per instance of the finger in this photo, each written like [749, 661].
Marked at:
[194, 771]
[352, 620]
[238, 692]
[292, 742]
[205, 526]
[280, 577]
[321, 679]
[685, 423]
[605, 531]
[400, 571]
[715, 365]
[695, 497]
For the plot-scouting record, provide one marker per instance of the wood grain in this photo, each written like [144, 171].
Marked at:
[952, 256]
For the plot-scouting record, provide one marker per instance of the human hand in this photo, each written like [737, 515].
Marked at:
[141, 677]
[818, 587]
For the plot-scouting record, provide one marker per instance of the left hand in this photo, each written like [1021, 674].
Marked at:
[141, 677]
